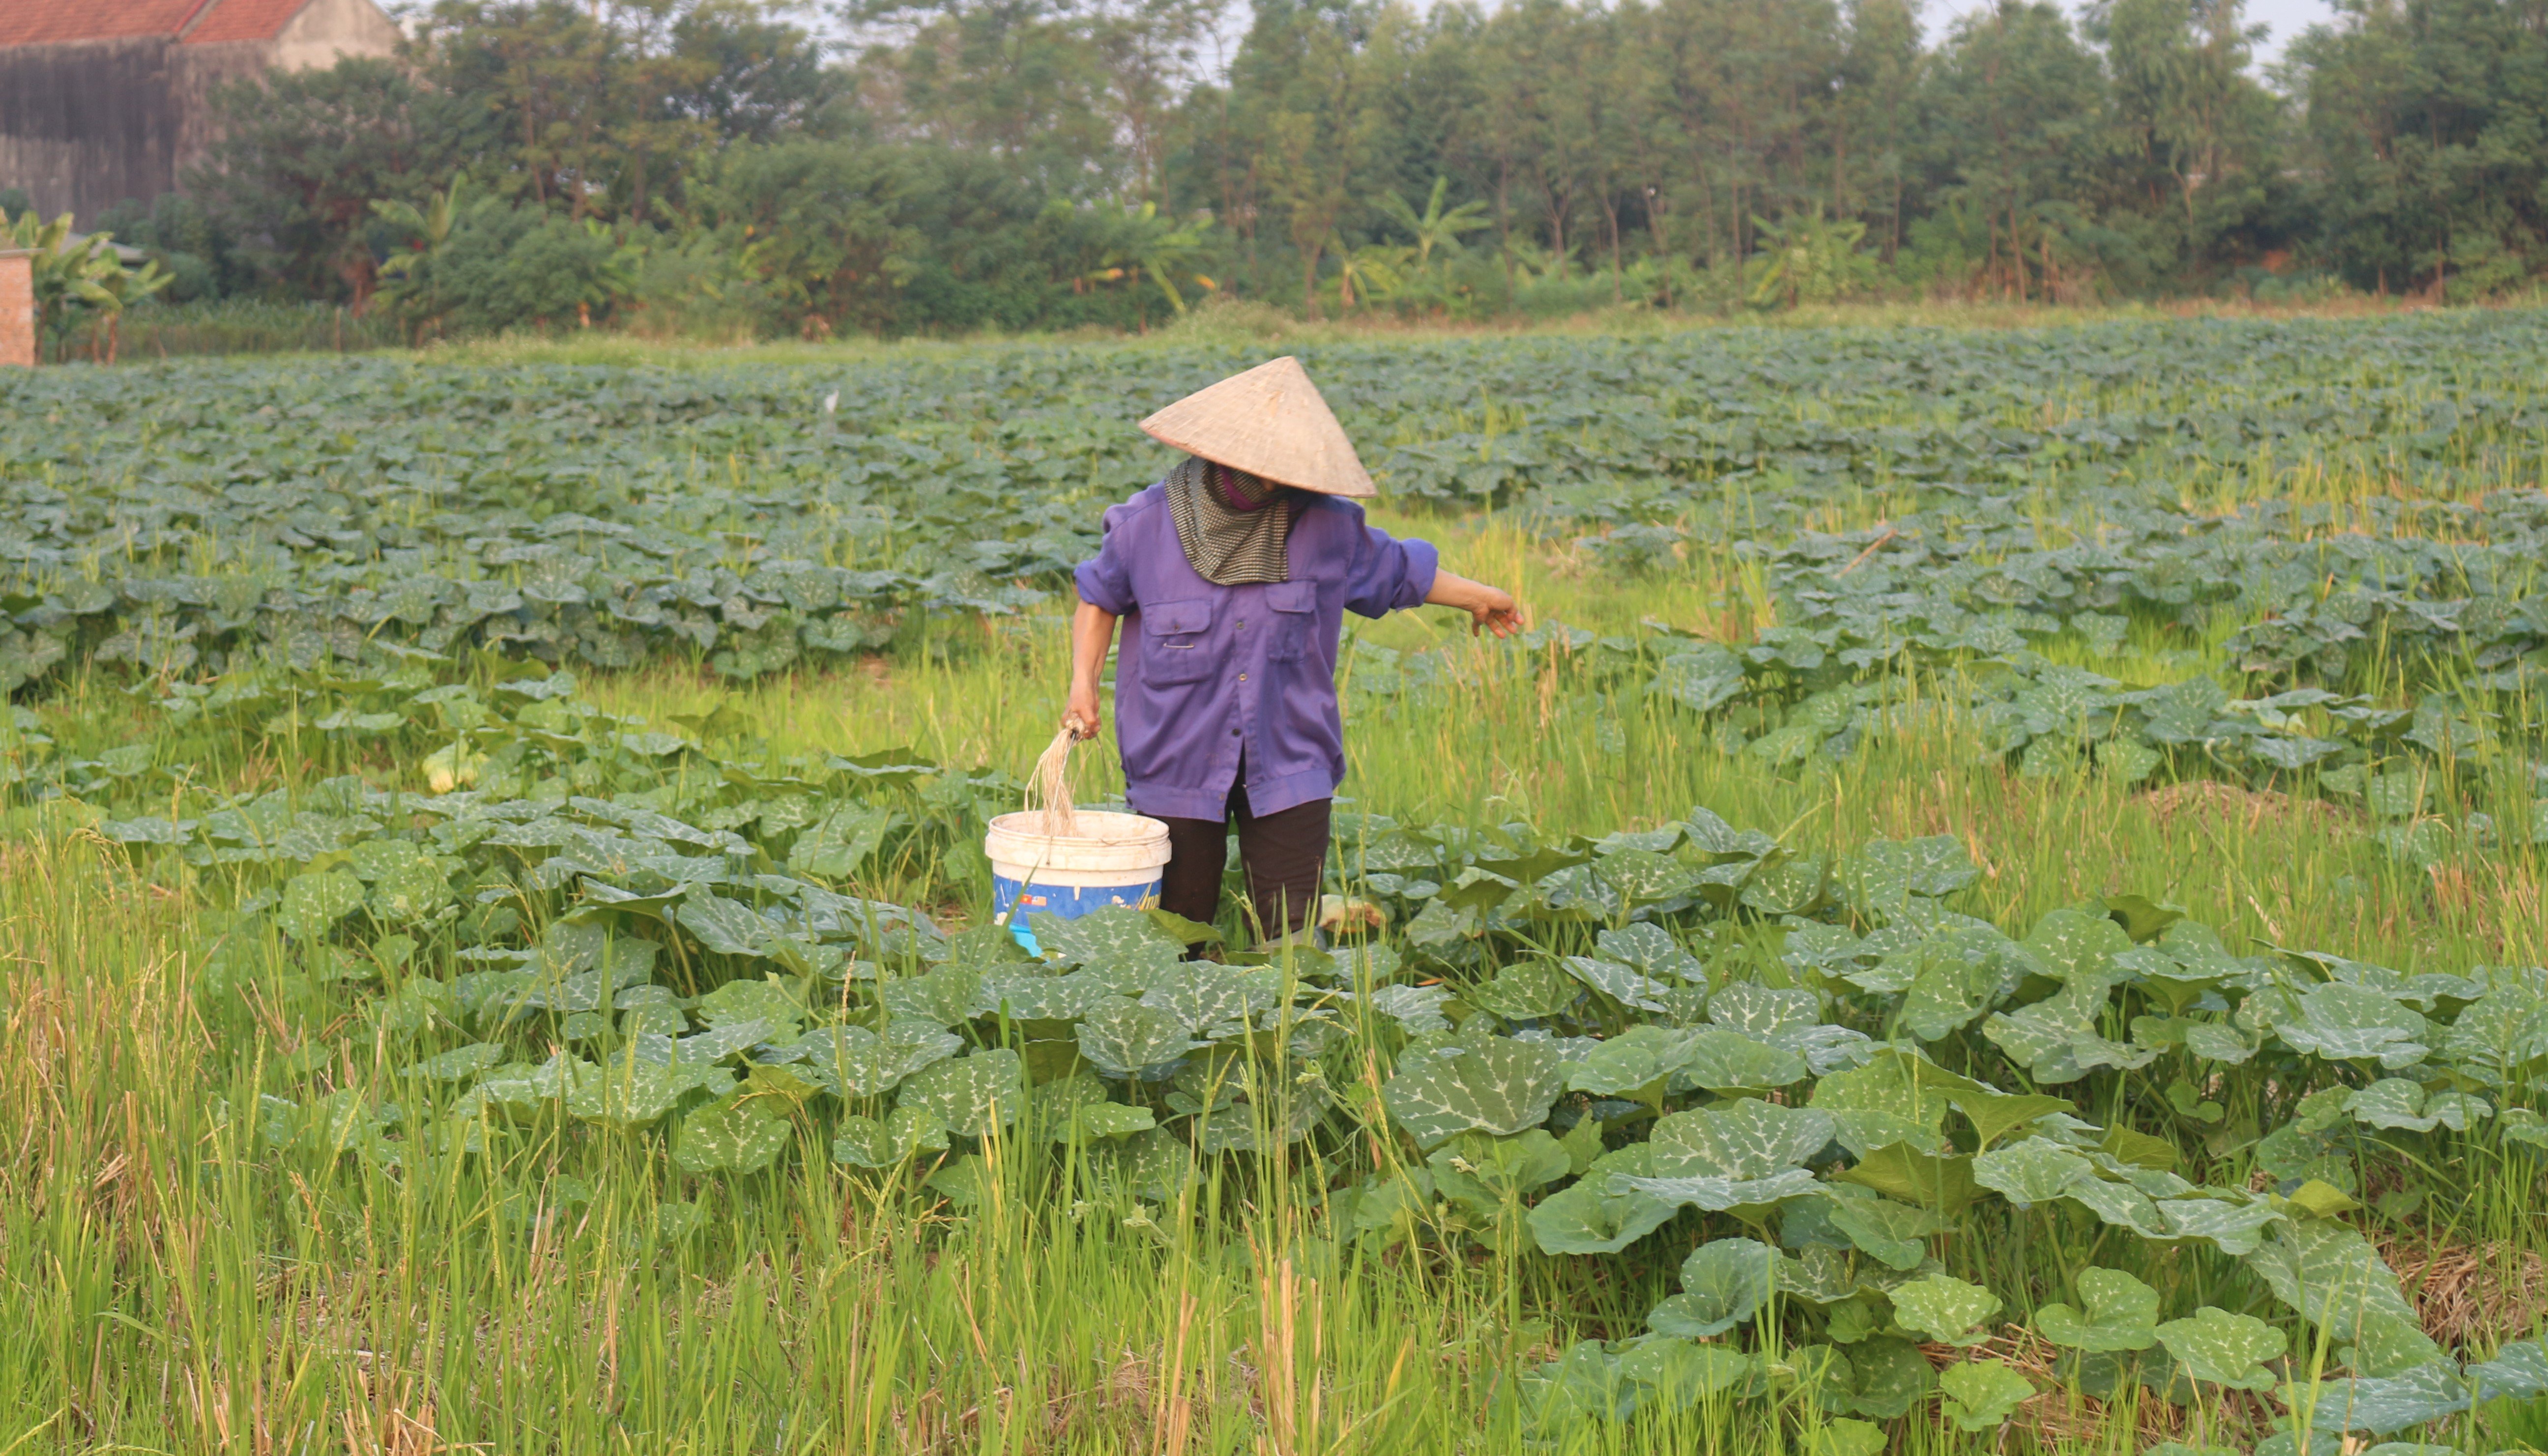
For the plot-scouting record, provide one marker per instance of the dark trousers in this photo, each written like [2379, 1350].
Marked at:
[1281, 854]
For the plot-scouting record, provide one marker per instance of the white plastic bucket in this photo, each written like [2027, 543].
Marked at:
[1110, 859]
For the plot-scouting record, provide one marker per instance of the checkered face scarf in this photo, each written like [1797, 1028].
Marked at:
[1236, 528]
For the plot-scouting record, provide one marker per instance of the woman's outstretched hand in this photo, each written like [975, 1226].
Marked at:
[1489, 608]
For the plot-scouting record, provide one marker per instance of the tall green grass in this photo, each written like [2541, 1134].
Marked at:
[544, 1298]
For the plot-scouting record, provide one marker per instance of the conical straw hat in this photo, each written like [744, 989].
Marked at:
[1270, 422]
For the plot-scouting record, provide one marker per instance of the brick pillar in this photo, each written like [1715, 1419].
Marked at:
[16, 308]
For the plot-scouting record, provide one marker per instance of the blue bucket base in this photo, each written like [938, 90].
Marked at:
[1010, 908]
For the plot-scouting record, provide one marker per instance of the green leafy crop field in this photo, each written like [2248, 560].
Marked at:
[1998, 905]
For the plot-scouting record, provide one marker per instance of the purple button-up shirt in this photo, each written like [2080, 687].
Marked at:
[1209, 675]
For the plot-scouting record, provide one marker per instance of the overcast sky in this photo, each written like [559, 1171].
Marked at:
[2284, 19]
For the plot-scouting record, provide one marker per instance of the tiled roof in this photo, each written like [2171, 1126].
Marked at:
[245, 20]
[51, 21]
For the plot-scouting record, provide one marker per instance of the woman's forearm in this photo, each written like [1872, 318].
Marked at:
[1092, 636]
[1489, 607]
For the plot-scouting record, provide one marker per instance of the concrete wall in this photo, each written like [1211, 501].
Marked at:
[87, 125]
[322, 33]
[16, 311]
[327, 28]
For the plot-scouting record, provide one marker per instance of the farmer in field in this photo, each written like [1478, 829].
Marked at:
[1234, 576]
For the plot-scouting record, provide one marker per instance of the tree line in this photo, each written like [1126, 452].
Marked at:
[959, 165]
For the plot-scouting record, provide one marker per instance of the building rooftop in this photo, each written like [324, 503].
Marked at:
[195, 22]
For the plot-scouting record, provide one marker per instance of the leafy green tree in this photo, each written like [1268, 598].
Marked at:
[2019, 106]
[2427, 124]
[2199, 136]
[1304, 81]
[820, 224]
[305, 154]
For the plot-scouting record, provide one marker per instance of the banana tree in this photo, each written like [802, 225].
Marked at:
[406, 284]
[1434, 228]
[614, 273]
[1162, 250]
[1370, 273]
[74, 274]
[1809, 259]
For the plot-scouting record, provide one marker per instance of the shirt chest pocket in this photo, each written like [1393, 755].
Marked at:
[1292, 616]
[1176, 641]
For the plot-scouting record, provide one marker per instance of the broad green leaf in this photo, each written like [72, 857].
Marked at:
[1499, 1086]
[1790, 887]
[968, 1094]
[2382, 1405]
[725, 926]
[1673, 1375]
[1760, 1012]
[2519, 1370]
[2122, 1313]
[1629, 987]
[2030, 1172]
[1638, 1057]
[461, 1061]
[1155, 1164]
[1113, 933]
[1723, 1283]
[1652, 949]
[1945, 1308]
[1744, 1138]
[1727, 1061]
[1200, 995]
[2079, 949]
[1981, 1394]
[1526, 990]
[1891, 1376]
[1417, 1009]
[2334, 1277]
[2235, 1228]
[625, 1092]
[1582, 1387]
[313, 903]
[1582, 1218]
[1883, 1103]
[1943, 1183]
[1120, 1037]
[2394, 1102]
[2217, 1347]
[1488, 1173]
[1996, 1114]
[943, 996]
[1894, 1233]
[864, 1143]
[1884, 874]
[1844, 1436]
[2139, 1149]
[765, 1001]
[736, 1136]
[2342, 1021]
[1076, 1109]
[853, 1061]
